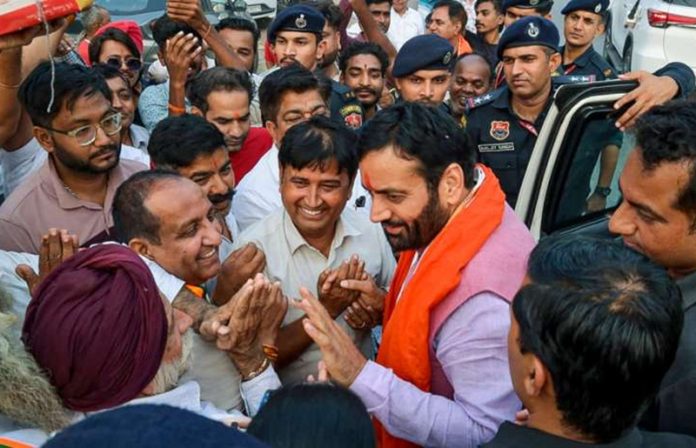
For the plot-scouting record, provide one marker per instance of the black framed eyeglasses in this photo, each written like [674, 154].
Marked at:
[132, 64]
[86, 135]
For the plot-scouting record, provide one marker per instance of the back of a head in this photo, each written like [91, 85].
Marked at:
[214, 80]
[294, 78]
[667, 134]
[606, 324]
[165, 28]
[314, 416]
[70, 83]
[97, 325]
[420, 132]
[331, 12]
[177, 141]
[377, 2]
[153, 426]
[455, 10]
[316, 143]
[92, 18]
[131, 217]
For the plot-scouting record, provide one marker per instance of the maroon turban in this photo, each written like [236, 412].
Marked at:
[98, 326]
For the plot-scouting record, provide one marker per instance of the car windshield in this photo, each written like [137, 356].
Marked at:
[132, 7]
[691, 3]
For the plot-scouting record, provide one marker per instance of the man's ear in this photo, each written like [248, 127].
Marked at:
[555, 61]
[321, 49]
[601, 28]
[196, 111]
[272, 129]
[44, 137]
[451, 187]
[537, 377]
[141, 247]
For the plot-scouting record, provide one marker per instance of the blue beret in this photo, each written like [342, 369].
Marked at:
[595, 6]
[531, 30]
[296, 18]
[527, 4]
[425, 52]
[153, 426]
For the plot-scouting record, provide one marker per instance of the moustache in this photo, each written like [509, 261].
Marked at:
[223, 197]
[366, 90]
[105, 150]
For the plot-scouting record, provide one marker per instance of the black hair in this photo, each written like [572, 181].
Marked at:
[357, 48]
[131, 217]
[331, 12]
[293, 78]
[240, 24]
[72, 82]
[667, 134]
[116, 35]
[317, 142]
[426, 134]
[176, 142]
[217, 79]
[165, 28]
[478, 55]
[455, 10]
[606, 323]
[313, 416]
[377, 2]
[496, 5]
[111, 72]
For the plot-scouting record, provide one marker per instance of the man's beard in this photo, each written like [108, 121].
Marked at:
[371, 104]
[423, 229]
[85, 166]
[169, 373]
[328, 59]
[26, 395]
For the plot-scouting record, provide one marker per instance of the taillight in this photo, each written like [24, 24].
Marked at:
[662, 19]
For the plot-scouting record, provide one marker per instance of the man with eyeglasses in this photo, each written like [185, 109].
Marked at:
[76, 124]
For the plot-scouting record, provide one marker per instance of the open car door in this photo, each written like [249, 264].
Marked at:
[577, 145]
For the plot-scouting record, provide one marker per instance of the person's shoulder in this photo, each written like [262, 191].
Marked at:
[129, 167]
[479, 105]
[558, 81]
[602, 66]
[666, 439]
[23, 195]
[264, 231]
[259, 176]
[259, 136]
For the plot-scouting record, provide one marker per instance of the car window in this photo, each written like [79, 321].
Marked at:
[691, 3]
[587, 178]
[122, 7]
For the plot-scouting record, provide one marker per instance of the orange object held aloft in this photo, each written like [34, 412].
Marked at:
[16, 15]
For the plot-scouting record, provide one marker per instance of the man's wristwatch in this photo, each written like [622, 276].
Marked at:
[603, 191]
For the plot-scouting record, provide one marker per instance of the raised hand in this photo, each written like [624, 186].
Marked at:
[334, 297]
[241, 265]
[366, 311]
[56, 246]
[181, 51]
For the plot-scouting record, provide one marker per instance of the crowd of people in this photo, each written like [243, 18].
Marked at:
[194, 251]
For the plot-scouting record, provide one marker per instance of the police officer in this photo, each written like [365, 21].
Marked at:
[584, 21]
[296, 37]
[518, 9]
[504, 124]
[422, 70]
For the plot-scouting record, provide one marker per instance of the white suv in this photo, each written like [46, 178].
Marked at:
[647, 34]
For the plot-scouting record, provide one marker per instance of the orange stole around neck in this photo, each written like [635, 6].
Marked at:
[405, 341]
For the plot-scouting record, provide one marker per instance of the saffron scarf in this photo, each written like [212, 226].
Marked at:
[405, 341]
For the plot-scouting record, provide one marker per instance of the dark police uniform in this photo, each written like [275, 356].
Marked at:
[302, 18]
[590, 62]
[503, 140]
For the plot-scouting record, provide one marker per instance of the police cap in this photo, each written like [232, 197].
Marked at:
[532, 30]
[528, 4]
[296, 18]
[595, 6]
[425, 52]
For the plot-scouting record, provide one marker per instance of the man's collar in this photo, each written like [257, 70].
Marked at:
[581, 60]
[187, 396]
[687, 285]
[295, 241]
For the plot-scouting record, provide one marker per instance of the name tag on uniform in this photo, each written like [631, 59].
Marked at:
[497, 147]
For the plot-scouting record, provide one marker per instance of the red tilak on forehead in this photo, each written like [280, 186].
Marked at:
[366, 180]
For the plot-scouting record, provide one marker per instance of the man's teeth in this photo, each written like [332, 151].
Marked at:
[311, 212]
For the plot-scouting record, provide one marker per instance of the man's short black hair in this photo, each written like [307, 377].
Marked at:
[357, 48]
[176, 142]
[111, 72]
[71, 82]
[455, 10]
[165, 28]
[131, 217]
[497, 5]
[606, 323]
[217, 79]
[426, 134]
[667, 134]
[377, 2]
[116, 35]
[317, 142]
[240, 24]
[331, 12]
[293, 78]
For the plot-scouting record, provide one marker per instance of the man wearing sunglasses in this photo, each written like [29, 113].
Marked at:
[76, 124]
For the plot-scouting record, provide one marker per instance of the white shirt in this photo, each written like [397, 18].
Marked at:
[140, 137]
[19, 164]
[470, 8]
[404, 27]
[294, 263]
[258, 194]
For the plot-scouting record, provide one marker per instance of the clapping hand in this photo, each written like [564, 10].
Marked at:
[56, 247]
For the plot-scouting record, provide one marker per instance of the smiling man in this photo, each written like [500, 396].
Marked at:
[315, 232]
[74, 188]
[472, 77]
[363, 68]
